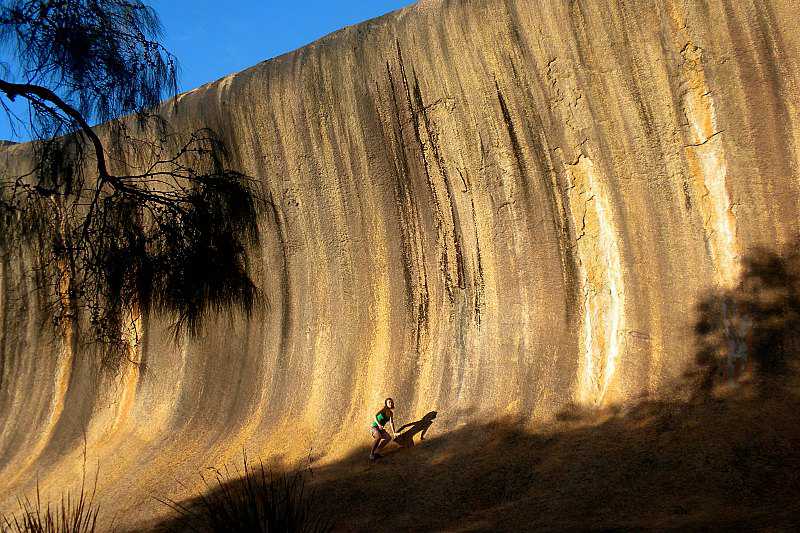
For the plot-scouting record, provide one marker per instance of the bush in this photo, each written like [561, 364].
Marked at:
[69, 516]
[756, 321]
[256, 501]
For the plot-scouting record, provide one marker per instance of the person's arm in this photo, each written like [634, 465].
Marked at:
[378, 421]
[391, 421]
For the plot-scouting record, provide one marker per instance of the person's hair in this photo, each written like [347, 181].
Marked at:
[386, 402]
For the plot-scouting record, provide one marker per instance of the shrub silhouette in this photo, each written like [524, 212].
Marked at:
[754, 324]
[70, 515]
[254, 501]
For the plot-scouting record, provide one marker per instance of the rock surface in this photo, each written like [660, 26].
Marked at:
[489, 209]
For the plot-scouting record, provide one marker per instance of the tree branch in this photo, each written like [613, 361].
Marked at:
[29, 91]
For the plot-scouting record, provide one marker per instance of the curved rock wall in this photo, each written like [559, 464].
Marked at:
[485, 208]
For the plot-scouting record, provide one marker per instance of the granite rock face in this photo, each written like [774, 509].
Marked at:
[486, 208]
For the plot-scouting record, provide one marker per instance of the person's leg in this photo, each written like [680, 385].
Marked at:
[376, 437]
[385, 439]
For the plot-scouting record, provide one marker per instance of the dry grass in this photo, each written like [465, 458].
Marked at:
[254, 500]
[710, 463]
[70, 515]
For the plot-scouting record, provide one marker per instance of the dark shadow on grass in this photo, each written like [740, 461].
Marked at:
[700, 463]
[254, 500]
[708, 464]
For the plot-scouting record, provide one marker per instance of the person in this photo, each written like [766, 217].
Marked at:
[379, 434]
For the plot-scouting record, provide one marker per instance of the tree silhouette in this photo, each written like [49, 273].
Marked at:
[755, 323]
[135, 219]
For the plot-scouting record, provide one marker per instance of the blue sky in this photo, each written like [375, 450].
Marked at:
[213, 38]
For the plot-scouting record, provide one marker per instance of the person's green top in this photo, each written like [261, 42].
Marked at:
[382, 417]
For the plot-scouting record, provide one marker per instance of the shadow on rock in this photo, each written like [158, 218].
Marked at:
[708, 464]
[692, 464]
[407, 432]
[753, 328]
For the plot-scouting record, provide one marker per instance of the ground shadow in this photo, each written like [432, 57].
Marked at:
[712, 464]
[705, 462]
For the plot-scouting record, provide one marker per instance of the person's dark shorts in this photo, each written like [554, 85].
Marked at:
[378, 433]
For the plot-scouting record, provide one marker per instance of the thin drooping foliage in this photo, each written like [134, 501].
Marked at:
[103, 57]
[136, 220]
[254, 500]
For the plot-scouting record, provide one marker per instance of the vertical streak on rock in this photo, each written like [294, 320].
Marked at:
[427, 149]
[3, 318]
[159, 413]
[431, 142]
[6, 361]
[561, 222]
[479, 298]
[381, 338]
[410, 224]
[523, 178]
[450, 363]
[601, 281]
[705, 156]
[106, 426]
[57, 404]
[130, 377]
[276, 399]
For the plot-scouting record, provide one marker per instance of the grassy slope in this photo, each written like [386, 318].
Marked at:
[707, 464]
